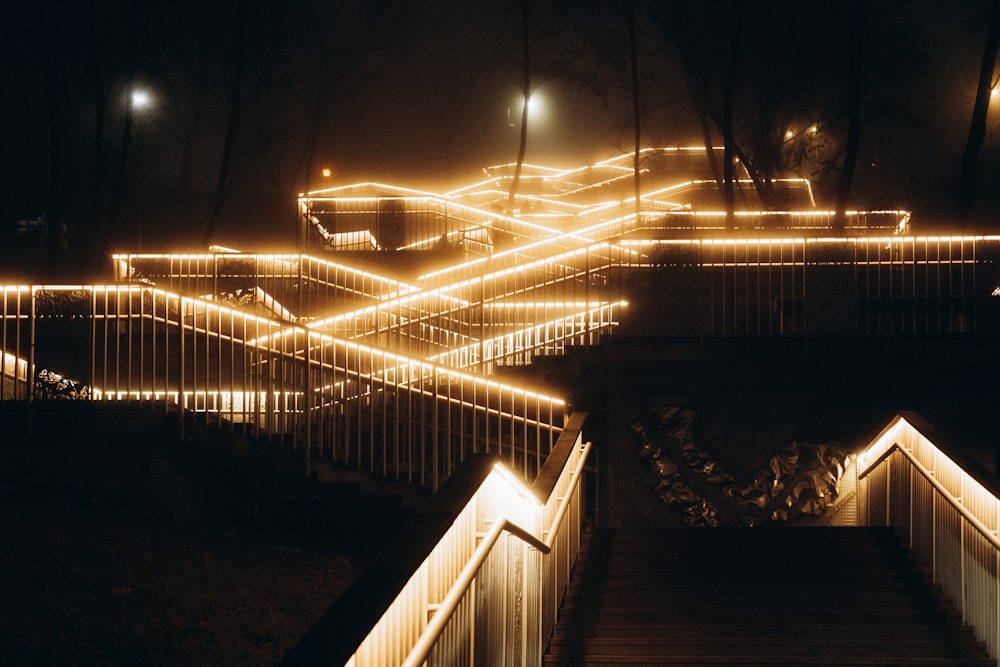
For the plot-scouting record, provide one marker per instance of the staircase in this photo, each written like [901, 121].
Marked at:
[755, 596]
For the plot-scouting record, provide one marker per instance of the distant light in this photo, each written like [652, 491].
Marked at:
[789, 134]
[814, 129]
[536, 106]
[327, 172]
[994, 92]
[141, 99]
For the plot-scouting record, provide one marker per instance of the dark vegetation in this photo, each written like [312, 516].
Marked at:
[120, 545]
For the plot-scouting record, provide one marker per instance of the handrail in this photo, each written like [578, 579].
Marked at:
[973, 520]
[351, 627]
[453, 597]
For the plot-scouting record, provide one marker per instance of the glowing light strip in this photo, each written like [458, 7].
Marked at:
[14, 367]
[290, 261]
[452, 207]
[898, 435]
[426, 368]
[531, 333]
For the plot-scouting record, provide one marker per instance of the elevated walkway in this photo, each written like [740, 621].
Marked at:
[741, 596]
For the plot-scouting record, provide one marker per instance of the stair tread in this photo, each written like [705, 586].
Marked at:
[734, 596]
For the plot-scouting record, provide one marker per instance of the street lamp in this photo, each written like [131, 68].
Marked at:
[140, 99]
[536, 108]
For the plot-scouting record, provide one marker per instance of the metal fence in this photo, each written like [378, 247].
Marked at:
[871, 286]
[944, 511]
[501, 317]
[485, 592]
[466, 314]
[343, 401]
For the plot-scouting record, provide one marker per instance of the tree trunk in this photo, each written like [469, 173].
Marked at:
[853, 143]
[727, 118]
[633, 42]
[100, 110]
[526, 88]
[107, 226]
[53, 99]
[232, 127]
[977, 127]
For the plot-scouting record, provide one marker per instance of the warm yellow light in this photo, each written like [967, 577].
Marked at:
[535, 108]
[814, 129]
[789, 134]
[327, 172]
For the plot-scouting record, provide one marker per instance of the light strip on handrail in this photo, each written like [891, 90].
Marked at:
[973, 520]
[422, 647]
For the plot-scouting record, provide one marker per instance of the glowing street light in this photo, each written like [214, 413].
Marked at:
[535, 108]
[141, 99]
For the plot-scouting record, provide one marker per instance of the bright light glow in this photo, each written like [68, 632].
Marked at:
[789, 134]
[814, 129]
[536, 108]
[327, 172]
[141, 99]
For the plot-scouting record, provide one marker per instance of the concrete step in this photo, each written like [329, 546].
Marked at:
[740, 596]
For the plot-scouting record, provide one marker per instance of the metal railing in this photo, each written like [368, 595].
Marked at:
[486, 588]
[852, 285]
[349, 403]
[500, 317]
[711, 287]
[284, 286]
[946, 508]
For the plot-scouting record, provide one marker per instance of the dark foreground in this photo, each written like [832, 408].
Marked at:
[88, 583]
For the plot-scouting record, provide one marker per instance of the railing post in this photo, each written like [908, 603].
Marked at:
[180, 385]
[29, 415]
[307, 395]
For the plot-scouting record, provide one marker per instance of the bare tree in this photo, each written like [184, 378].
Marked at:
[106, 226]
[633, 57]
[728, 93]
[977, 126]
[853, 143]
[526, 93]
[233, 124]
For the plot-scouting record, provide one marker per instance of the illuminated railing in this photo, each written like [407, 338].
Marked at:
[941, 508]
[380, 312]
[465, 313]
[364, 407]
[407, 220]
[307, 286]
[856, 223]
[477, 578]
[582, 327]
[15, 343]
[706, 287]
[480, 219]
[850, 285]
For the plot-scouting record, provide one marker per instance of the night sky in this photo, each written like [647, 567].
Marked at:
[427, 93]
